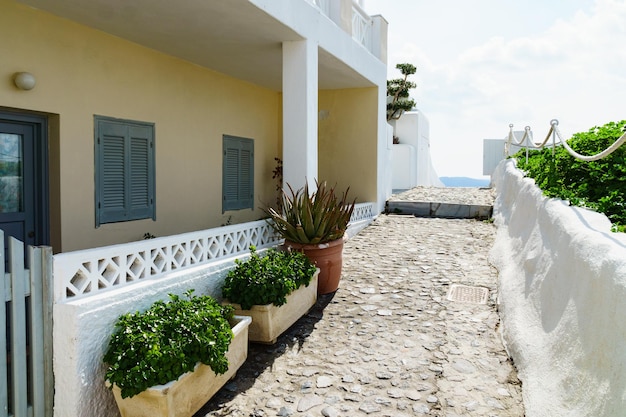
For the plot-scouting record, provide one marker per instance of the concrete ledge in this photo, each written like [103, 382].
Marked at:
[561, 293]
[442, 210]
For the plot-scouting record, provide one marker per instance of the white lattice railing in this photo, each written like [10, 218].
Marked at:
[89, 272]
[323, 5]
[92, 271]
[361, 26]
[361, 22]
[362, 211]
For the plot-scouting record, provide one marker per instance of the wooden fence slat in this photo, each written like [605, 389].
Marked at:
[4, 392]
[18, 324]
[36, 331]
[48, 301]
[15, 287]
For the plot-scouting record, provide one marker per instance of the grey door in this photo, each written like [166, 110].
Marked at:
[23, 179]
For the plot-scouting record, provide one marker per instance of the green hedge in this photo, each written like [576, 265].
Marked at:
[598, 185]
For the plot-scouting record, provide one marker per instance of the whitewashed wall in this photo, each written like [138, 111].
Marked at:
[412, 163]
[562, 300]
[404, 167]
[494, 151]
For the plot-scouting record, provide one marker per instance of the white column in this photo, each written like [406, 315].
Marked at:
[300, 90]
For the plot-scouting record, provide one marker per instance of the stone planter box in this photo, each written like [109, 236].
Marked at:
[186, 395]
[269, 321]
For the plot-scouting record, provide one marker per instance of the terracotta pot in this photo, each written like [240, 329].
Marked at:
[328, 257]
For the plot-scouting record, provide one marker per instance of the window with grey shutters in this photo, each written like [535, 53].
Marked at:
[125, 172]
[237, 173]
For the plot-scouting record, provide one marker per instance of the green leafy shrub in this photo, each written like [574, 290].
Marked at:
[267, 279]
[167, 340]
[598, 185]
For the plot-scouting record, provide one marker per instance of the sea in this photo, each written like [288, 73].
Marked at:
[465, 182]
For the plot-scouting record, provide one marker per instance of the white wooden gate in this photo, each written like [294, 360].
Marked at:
[26, 379]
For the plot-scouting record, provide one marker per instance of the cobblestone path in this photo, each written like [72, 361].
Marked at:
[389, 342]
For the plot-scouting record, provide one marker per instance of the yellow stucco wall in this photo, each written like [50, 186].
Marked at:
[82, 72]
[347, 140]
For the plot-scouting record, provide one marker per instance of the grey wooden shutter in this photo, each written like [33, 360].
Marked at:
[246, 174]
[125, 183]
[111, 173]
[237, 173]
[141, 181]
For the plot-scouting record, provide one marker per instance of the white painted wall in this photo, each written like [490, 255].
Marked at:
[385, 167]
[415, 169]
[494, 151]
[562, 300]
[404, 174]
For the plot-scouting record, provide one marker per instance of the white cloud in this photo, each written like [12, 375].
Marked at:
[573, 70]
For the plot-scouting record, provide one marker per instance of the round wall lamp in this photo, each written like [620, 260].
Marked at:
[24, 80]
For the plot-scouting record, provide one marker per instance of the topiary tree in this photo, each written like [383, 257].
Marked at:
[398, 100]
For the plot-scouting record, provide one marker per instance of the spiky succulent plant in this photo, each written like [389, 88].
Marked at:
[312, 218]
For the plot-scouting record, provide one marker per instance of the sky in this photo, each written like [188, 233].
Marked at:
[485, 64]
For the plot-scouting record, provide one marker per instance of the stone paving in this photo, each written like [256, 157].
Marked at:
[389, 342]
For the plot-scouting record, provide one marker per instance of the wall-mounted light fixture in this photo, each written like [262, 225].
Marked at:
[24, 80]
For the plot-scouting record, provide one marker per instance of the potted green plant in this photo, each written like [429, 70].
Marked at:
[315, 224]
[170, 359]
[275, 289]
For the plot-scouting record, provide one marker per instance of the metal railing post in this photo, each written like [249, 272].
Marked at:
[527, 136]
[553, 123]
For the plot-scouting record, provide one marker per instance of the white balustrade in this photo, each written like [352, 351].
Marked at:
[90, 272]
[361, 26]
[362, 23]
[323, 5]
[362, 211]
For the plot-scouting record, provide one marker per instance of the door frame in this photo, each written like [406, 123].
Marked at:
[40, 170]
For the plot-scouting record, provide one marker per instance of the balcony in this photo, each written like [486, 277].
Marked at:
[369, 31]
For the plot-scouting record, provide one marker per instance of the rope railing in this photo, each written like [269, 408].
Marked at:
[554, 132]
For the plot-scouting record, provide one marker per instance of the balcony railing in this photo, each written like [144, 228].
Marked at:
[323, 5]
[361, 26]
[90, 272]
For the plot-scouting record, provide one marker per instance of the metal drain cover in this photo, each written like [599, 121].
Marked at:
[465, 294]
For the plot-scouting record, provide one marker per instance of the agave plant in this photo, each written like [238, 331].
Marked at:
[314, 218]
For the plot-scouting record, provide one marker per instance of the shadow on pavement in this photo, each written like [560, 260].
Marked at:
[262, 357]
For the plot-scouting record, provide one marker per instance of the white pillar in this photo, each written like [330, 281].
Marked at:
[300, 90]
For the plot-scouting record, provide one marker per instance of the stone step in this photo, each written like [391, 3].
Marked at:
[443, 202]
[441, 210]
